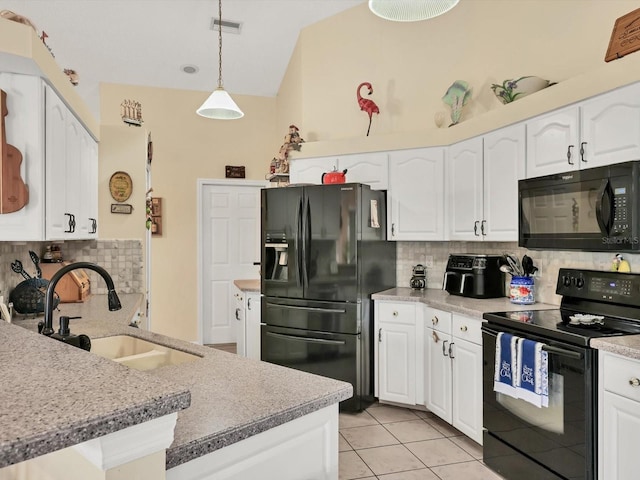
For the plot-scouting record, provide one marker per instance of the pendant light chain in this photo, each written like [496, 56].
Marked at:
[220, 44]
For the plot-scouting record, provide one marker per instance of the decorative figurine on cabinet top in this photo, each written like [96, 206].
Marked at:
[279, 167]
[367, 105]
[457, 96]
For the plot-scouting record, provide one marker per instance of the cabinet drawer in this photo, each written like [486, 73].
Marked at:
[397, 312]
[467, 328]
[438, 320]
[619, 373]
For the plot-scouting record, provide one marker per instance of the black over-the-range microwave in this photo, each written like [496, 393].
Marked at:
[596, 209]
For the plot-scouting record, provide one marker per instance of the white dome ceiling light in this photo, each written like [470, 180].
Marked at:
[410, 10]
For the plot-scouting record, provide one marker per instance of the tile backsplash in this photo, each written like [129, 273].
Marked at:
[123, 259]
[548, 262]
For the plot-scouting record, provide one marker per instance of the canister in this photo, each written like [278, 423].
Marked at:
[521, 290]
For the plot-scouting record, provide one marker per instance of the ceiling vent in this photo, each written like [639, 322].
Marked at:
[227, 26]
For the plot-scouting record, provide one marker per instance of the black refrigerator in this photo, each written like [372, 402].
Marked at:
[324, 253]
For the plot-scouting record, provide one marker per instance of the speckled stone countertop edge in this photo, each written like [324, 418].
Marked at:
[252, 285]
[31, 447]
[205, 445]
[626, 346]
[440, 299]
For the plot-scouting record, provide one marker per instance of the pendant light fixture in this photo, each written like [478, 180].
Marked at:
[410, 10]
[220, 105]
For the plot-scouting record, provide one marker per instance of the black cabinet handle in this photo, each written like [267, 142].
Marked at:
[569, 154]
[71, 223]
[582, 151]
[475, 228]
[482, 228]
[94, 225]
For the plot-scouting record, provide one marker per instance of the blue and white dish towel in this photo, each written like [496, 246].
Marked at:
[522, 369]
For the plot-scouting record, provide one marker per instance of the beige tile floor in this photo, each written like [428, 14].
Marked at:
[392, 443]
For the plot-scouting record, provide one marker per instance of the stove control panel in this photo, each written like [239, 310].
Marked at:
[610, 287]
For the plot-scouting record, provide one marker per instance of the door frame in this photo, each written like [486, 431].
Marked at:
[201, 184]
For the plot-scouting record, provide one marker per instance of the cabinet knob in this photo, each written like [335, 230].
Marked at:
[434, 320]
[435, 337]
[395, 313]
[463, 328]
[634, 382]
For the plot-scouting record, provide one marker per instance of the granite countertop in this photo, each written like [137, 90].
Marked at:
[627, 346]
[252, 285]
[472, 307]
[232, 397]
[55, 395]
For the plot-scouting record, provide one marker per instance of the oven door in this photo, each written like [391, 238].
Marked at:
[558, 440]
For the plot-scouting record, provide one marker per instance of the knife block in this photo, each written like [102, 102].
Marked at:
[73, 287]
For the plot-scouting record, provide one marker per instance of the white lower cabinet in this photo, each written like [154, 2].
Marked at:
[453, 370]
[247, 319]
[618, 417]
[252, 316]
[398, 352]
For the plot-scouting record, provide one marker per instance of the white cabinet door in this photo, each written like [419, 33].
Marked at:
[620, 437]
[252, 325]
[24, 129]
[395, 354]
[466, 359]
[240, 321]
[310, 170]
[416, 194]
[87, 221]
[367, 168]
[397, 363]
[504, 165]
[58, 219]
[552, 142]
[465, 190]
[437, 373]
[610, 127]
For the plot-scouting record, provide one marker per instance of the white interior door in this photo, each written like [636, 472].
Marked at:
[230, 244]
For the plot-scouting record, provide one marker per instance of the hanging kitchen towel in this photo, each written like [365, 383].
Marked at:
[506, 367]
[532, 378]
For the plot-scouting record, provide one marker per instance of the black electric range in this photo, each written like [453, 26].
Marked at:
[614, 298]
[559, 441]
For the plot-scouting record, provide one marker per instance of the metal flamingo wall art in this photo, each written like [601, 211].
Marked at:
[367, 105]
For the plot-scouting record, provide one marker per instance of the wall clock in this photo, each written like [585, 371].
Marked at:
[120, 186]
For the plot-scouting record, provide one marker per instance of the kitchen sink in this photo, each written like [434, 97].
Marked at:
[138, 353]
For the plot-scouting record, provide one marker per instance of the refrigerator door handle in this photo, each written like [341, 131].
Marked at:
[310, 309]
[307, 339]
[299, 246]
[307, 242]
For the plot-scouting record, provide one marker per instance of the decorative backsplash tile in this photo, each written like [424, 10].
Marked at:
[123, 259]
[548, 262]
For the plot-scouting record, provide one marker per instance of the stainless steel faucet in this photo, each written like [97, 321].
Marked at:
[112, 296]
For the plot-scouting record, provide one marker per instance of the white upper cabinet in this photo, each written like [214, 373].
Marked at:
[465, 190]
[310, 170]
[503, 165]
[600, 131]
[59, 165]
[367, 168]
[415, 200]
[24, 129]
[483, 175]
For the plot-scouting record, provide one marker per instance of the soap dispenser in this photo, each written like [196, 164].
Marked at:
[64, 335]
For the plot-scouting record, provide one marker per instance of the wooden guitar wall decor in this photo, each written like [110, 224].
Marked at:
[14, 194]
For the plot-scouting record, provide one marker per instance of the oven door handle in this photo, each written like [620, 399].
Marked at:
[306, 339]
[547, 348]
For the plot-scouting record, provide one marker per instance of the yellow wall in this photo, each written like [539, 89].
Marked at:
[411, 65]
[186, 147]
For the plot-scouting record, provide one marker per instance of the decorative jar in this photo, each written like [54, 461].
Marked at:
[521, 290]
